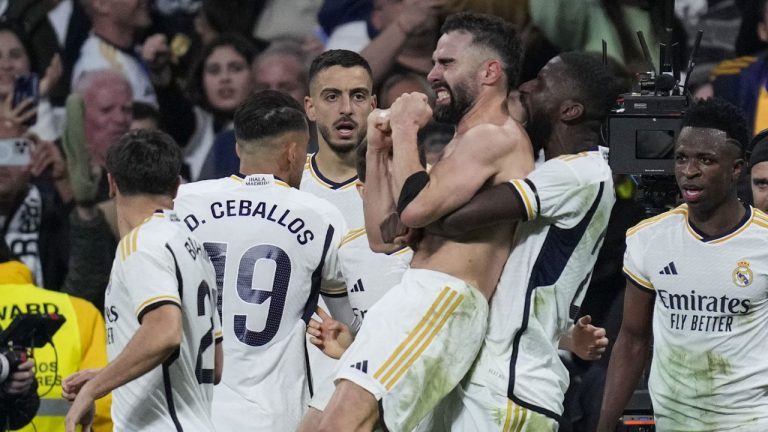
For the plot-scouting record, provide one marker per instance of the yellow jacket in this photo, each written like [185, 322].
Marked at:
[79, 344]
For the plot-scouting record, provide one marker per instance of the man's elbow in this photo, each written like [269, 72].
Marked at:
[416, 216]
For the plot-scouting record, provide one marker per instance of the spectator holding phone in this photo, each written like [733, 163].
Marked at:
[34, 190]
[20, 81]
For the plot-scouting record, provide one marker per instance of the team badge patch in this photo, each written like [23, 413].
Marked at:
[742, 275]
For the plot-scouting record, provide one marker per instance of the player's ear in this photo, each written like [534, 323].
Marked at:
[175, 190]
[112, 186]
[491, 72]
[309, 107]
[738, 167]
[571, 110]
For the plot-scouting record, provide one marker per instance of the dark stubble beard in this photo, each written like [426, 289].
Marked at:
[461, 102]
[337, 148]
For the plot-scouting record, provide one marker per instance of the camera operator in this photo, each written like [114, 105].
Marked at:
[18, 387]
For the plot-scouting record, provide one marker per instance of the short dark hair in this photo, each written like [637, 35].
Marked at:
[145, 162]
[493, 33]
[143, 110]
[716, 113]
[337, 57]
[240, 44]
[593, 83]
[266, 114]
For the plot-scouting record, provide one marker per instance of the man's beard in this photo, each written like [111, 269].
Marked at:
[339, 148]
[461, 102]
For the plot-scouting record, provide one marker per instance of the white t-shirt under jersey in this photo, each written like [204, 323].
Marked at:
[158, 263]
[710, 320]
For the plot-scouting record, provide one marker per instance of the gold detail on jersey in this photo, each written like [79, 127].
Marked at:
[681, 210]
[638, 280]
[334, 290]
[351, 235]
[156, 299]
[236, 178]
[521, 190]
[742, 275]
[419, 339]
[282, 183]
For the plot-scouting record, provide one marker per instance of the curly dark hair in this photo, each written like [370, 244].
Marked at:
[719, 114]
[593, 83]
[268, 113]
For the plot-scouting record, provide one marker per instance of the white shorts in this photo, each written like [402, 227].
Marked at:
[474, 408]
[416, 344]
[231, 412]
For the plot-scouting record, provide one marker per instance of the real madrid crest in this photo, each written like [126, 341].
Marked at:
[742, 275]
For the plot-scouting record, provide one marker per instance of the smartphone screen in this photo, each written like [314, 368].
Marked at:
[15, 152]
[26, 87]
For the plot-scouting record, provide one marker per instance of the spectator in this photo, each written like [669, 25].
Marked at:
[116, 24]
[758, 165]
[97, 115]
[218, 84]
[79, 344]
[400, 83]
[282, 67]
[16, 59]
[742, 80]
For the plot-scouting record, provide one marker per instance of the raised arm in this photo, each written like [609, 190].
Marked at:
[468, 164]
[378, 199]
[628, 355]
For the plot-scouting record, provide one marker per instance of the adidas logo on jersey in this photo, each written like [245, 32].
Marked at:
[669, 269]
[361, 366]
[358, 287]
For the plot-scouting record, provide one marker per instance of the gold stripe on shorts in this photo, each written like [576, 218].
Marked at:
[518, 420]
[419, 338]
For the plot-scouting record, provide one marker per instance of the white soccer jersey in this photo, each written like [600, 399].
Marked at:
[160, 262]
[97, 53]
[273, 247]
[343, 195]
[369, 275]
[710, 320]
[568, 200]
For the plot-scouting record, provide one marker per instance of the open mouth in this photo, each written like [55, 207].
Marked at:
[345, 128]
[442, 93]
[691, 193]
[226, 93]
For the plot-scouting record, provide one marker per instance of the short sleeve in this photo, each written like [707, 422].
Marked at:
[634, 265]
[555, 191]
[152, 280]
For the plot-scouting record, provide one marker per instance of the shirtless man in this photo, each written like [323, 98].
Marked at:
[420, 339]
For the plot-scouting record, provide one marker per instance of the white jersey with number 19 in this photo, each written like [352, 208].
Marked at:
[160, 263]
[274, 249]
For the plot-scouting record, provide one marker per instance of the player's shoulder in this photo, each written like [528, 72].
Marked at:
[314, 203]
[352, 237]
[660, 223]
[152, 235]
[586, 167]
[759, 219]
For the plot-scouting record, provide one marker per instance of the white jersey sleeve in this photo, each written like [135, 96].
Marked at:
[634, 258]
[560, 189]
[154, 270]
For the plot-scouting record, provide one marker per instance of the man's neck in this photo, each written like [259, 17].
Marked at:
[119, 36]
[719, 220]
[250, 168]
[132, 211]
[489, 108]
[337, 167]
[570, 140]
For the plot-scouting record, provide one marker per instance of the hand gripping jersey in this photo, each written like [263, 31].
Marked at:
[710, 320]
[369, 275]
[159, 263]
[568, 201]
[274, 248]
